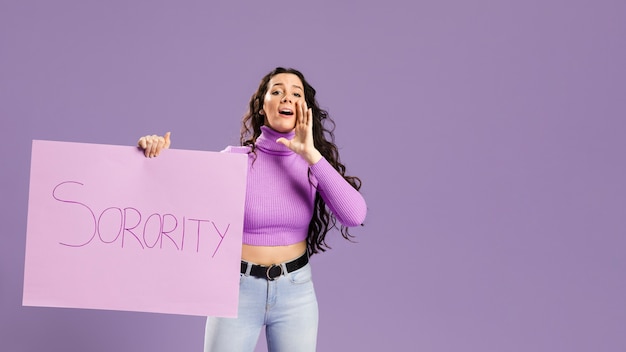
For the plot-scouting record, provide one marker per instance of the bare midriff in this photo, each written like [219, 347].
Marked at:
[268, 255]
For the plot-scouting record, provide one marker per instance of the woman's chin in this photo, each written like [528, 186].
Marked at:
[282, 128]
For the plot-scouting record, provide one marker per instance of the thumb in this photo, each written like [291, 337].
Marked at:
[283, 141]
[167, 140]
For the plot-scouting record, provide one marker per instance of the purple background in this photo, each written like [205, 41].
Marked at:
[489, 136]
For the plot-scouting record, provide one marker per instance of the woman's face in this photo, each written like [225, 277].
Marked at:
[279, 104]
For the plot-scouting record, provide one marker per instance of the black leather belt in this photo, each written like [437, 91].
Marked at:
[274, 271]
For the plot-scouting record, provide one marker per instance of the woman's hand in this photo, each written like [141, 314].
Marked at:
[302, 143]
[152, 145]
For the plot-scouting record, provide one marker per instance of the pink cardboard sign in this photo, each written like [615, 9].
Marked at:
[111, 229]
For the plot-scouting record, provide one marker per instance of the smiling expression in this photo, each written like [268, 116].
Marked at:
[279, 104]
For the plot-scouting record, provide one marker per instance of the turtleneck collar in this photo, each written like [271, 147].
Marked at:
[267, 141]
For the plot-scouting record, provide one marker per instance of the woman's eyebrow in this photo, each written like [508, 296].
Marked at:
[282, 84]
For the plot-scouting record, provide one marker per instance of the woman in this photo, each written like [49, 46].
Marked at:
[296, 191]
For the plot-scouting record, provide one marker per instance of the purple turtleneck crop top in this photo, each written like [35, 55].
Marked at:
[279, 196]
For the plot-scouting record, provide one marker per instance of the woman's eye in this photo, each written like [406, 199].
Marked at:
[297, 95]
[276, 92]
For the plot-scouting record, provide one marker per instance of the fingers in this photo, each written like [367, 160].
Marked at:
[304, 113]
[309, 114]
[300, 108]
[153, 145]
[142, 143]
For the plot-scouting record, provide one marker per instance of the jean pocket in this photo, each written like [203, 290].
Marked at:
[301, 276]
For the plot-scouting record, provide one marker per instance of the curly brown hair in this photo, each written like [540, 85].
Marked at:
[324, 140]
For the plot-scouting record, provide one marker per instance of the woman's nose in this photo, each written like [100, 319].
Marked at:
[286, 99]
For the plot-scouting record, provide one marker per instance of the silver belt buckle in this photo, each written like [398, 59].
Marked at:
[269, 275]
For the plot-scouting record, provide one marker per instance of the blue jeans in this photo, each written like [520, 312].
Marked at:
[286, 306]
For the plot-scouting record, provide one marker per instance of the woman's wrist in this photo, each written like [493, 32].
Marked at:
[312, 157]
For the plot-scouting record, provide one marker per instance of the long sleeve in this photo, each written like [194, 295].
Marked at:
[345, 202]
[280, 193]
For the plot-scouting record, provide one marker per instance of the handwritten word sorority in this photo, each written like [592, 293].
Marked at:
[157, 230]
